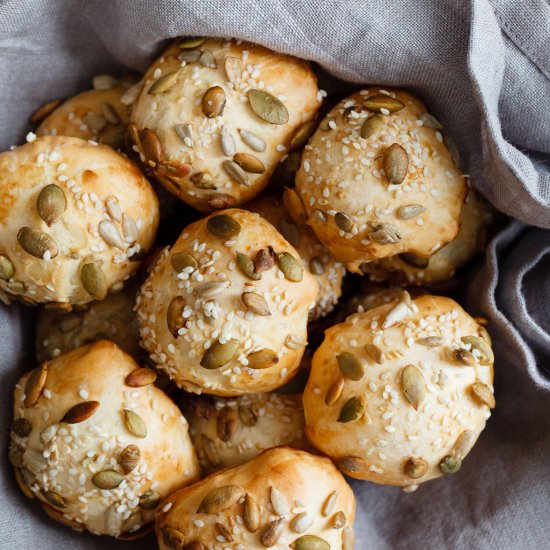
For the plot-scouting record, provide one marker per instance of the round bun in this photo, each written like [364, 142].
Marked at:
[75, 218]
[225, 310]
[228, 432]
[328, 273]
[414, 270]
[97, 443]
[396, 190]
[408, 387]
[283, 498]
[58, 332]
[215, 117]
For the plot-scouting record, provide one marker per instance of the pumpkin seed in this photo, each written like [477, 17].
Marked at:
[218, 354]
[384, 233]
[93, 280]
[290, 231]
[486, 356]
[210, 450]
[149, 500]
[430, 121]
[164, 84]
[110, 234]
[351, 463]
[174, 318]
[113, 136]
[316, 266]
[140, 377]
[51, 203]
[371, 126]
[113, 208]
[107, 479]
[329, 504]
[396, 163]
[213, 102]
[235, 172]
[381, 101]
[350, 366]
[293, 203]
[431, 341]
[223, 226]
[334, 391]
[450, 464]
[414, 261]
[272, 533]
[248, 416]
[279, 502]
[233, 69]
[173, 538]
[410, 211]
[301, 523]
[229, 147]
[310, 542]
[104, 82]
[35, 384]
[54, 499]
[415, 467]
[191, 42]
[268, 107]
[6, 268]
[353, 409]
[375, 353]
[181, 261]
[482, 392]
[21, 427]
[150, 143]
[249, 163]
[464, 356]
[220, 499]
[36, 243]
[80, 412]
[255, 303]
[302, 135]
[464, 443]
[414, 385]
[44, 110]
[264, 260]
[252, 140]
[208, 290]
[185, 133]
[262, 359]
[339, 520]
[251, 514]
[247, 267]
[290, 266]
[207, 59]
[129, 458]
[226, 424]
[343, 221]
[135, 424]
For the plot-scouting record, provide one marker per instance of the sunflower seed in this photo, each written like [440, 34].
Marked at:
[226, 424]
[223, 226]
[80, 412]
[129, 458]
[233, 69]
[207, 59]
[107, 479]
[353, 409]
[396, 163]
[218, 354]
[384, 233]
[279, 502]
[251, 514]
[185, 133]
[350, 366]
[415, 467]
[329, 504]
[343, 221]
[35, 460]
[131, 94]
[414, 385]
[113, 208]
[210, 450]
[430, 121]
[450, 464]
[191, 42]
[410, 211]
[301, 523]
[235, 172]
[149, 500]
[414, 261]
[380, 101]
[220, 499]
[302, 135]
[208, 290]
[174, 318]
[248, 415]
[140, 377]
[133, 133]
[290, 231]
[181, 261]
[268, 107]
[173, 538]
[228, 143]
[6, 268]
[104, 82]
[338, 521]
[431, 341]
[109, 113]
[249, 163]
[54, 499]
[44, 110]
[51, 203]
[334, 391]
[262, 359]
[164, 84]
[35, 384]
[150, 143]
[21, 427]
[135, 423]
[295, 341]
[351, 463]
[272, 533]
[485, 353]
[213, 102]
[375, 353]
[36, 243]
[110, 234]
[93, 280]
[482, 392]
[255, 303]
[464, 356]
[252, 140]
[371, 126]
[290, 266]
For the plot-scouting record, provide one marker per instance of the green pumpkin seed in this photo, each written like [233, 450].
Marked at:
[268, 107]
[107, 479]
[414, 385]
[35, 384]
[233, 69]
[375, 353]
[396, 163]
[334, 391]
[185, 133]
[174, 318]
[247, 267]
[482, 392]
[149, 500]
[249, 163]
[235, 172]
[129, 458]
[381, 102]
[311, 542]
[51, 203]
[173, 538]
[93, 280]
[343, 221]
[252, 140]
[384, 234]
[351, 366]
[431, 341]
[350, 463]
[414, 261]
[220, 499]
[164, 84]
[80, 412]
[415, 467]
[248, 415]
[6, 268]
[191, 42]
[135, 424]
[224, 226]
[464, 356]
[450, 464]
[54, 499]
[213, 102]
[181, 261]
[272, 533]
[290, 231]
[486, 356]
[44, 110]
[302, 135]
[36, 243]
[290, 266]
[410, 211]
[371, 126]
[353, 409]
[21, 427]
[255, 303]
[207, 59]
[262, 359]
[218, 354]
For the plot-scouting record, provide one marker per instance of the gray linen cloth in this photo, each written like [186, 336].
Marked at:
[483, 67]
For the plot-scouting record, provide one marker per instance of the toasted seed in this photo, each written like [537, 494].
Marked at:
[113, 208]
[229, 147]
[107, 479]
[414, 385]
[110, 234]
[131, 94]
[6, 268]
[302, 135]
[264, 260]
[210, 450]
[220, 499]
[371, 126]
[255, 303]
[290, 266]
[484, 334]
[36, 243]
[191, 42]
[208, 290]
[450, 464]
[339, 520]
[218, 354]
[249, 163]
[104, 82]
[135, 423]
[486, 356]
[54, 499]
[51, 203]
[317, 216]
[140, 377]
[380, 101]
[219, 201]
[226, 424]
[334, 391]
[80, 412]
[113, 136]
[464, 443]
[129, 458]
[343, 221]
[185, 133]
[15, 456]
[248, 416]
[375, 353]
[109, 113]
[164, 84]
[199, 180]
[351, 463]
[150, 143]
[174, 318]
[384, 233]
[252, 140]
[279, 502]
[415, 467]
[290, 231]
[350, 366]
[35, 384]
[173, 538]
[21, 427]
[410, 211]
[44, 110]
[251, 514]
[149, 500]
[235, 172]
[24, 479]
[233, 69]
[482, 392]
[272, 533]
[262, 359]
[310, 542]
[181, 261]
[293, 203]
[295, 341]
[396, 163]
[93, 280]
[329, 504]
[414, 261]
[207, 59]
[213, 102]
[430, 121]
[224, 532]
[353, 409]
[223, 226]
[301, 523]
[316, 266]
[268, 107]
[189, 56]
[246, 265]
[464, 356]
[431, 341]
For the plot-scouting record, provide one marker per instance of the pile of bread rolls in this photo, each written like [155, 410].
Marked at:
[176, 388]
